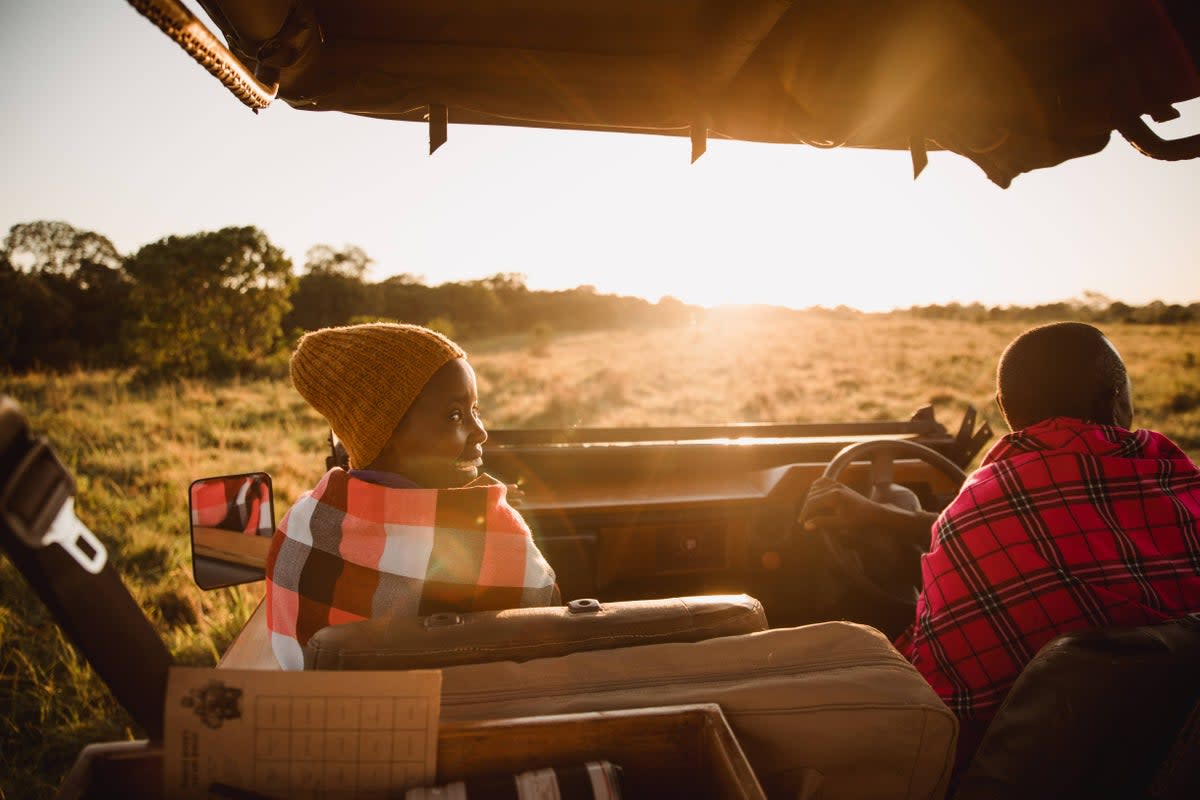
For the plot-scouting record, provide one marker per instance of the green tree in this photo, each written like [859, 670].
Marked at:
[512, 301]
[35, 322]
[12, 311]
[62, 297]
[673, 311]
[350, 261]
[403, 297]
[56, 248]
[331, 291]
[208, 304]
[99, 298]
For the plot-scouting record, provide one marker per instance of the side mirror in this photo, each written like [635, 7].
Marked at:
[232, 520]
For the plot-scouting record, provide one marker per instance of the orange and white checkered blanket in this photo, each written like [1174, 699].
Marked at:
[352, 550]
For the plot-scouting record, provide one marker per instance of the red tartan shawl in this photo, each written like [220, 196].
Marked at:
[351, 550]
[1066, 525]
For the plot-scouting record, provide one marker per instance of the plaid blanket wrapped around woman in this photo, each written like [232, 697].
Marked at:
[351, 550]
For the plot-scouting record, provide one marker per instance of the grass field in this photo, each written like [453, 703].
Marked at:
[134, 451]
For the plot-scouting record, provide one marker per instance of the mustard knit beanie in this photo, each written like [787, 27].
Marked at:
[363, 378]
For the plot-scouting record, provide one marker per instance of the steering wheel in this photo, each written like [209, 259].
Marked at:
[882, 577]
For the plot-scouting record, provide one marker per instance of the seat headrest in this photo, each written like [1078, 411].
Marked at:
[522, 634]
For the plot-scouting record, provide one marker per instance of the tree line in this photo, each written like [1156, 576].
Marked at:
[1090, 307]
[229, 302]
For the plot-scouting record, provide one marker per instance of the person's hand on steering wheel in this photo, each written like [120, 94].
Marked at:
[833, 506]
[874, 540]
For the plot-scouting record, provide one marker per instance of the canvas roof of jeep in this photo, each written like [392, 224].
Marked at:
[1013, 85]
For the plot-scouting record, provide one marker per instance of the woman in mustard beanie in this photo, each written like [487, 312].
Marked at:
[412, 527]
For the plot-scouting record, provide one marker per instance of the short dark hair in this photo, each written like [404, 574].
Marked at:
[1064, 369]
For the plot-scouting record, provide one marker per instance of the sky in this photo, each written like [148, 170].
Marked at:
[108, 126]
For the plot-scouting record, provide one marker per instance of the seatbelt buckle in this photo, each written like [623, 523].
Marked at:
[72, 535]
[37, 502]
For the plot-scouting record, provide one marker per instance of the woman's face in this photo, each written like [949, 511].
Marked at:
[439, 442]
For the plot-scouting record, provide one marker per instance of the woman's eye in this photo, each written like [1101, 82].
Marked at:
[456, 416]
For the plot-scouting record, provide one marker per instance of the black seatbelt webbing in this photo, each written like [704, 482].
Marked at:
[67, 568]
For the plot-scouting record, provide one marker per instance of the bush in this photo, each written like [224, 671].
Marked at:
[443, 326]
[539, 339]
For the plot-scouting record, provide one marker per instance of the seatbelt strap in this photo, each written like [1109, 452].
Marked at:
[67, 567]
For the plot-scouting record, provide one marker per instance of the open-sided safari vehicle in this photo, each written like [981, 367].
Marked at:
[665, 538]
[678, 546]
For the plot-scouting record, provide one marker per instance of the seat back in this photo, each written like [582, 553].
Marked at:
[1094, 714]
[1178, 777]
[522, 634]
[829, 711]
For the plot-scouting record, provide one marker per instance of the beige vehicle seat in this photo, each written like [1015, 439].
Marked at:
[821, 711]
[830, 710]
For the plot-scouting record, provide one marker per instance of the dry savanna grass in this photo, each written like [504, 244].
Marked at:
[134, 451]
[766, 367]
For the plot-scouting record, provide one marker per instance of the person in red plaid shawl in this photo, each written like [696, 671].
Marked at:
[412, 527]
[1072, 521]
